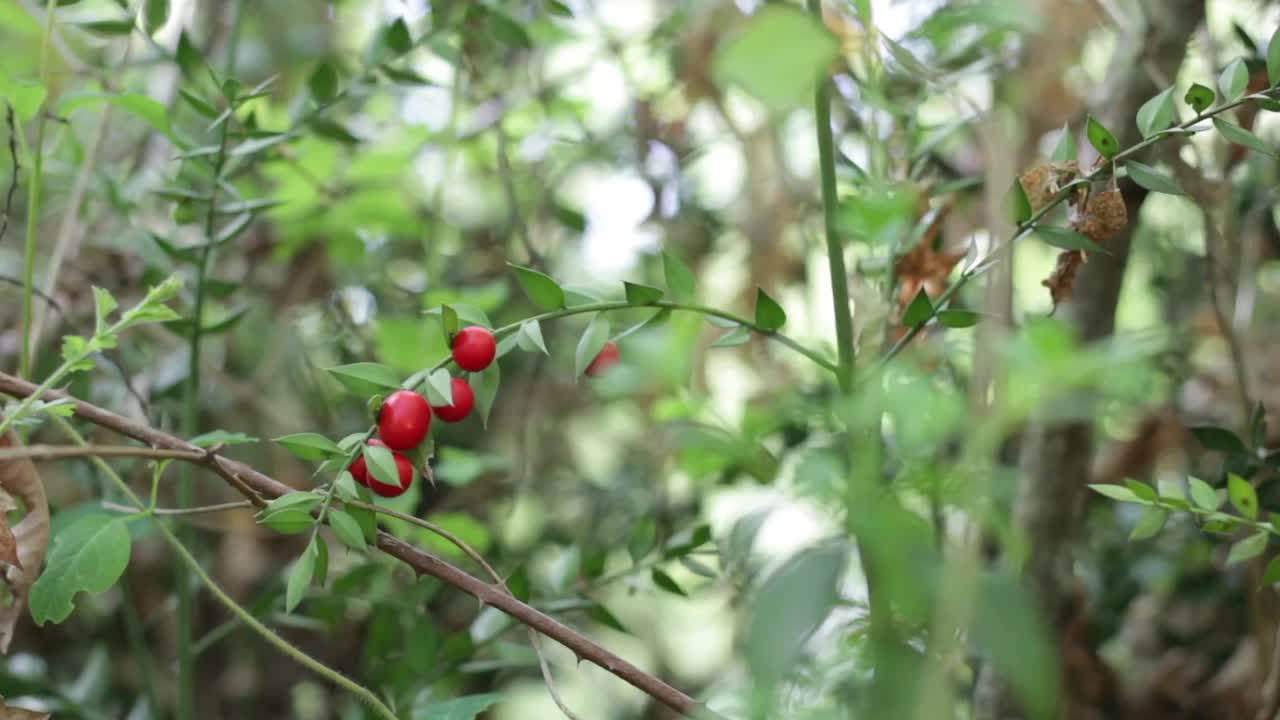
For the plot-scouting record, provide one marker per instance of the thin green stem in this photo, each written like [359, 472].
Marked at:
[1028, 225]
[364, 694]
[35, 193]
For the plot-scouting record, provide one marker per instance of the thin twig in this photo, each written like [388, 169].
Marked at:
[166, 512]
[13, 174]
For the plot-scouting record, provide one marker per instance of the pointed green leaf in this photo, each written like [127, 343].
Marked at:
[221, 437]
[449, 321]
[781, 81]
[638, 294]
[769, 314]
[347, 529]
[89, 555]
[1066, 239]
[1273, 58]
[958, 318]
[289, 520]
[1200, 97]
[1019, 204]
[309, 446]
[544, 291]
[304, 569]
[300, 499]
[382, 464]
[1151, 178]
[485, 384]
[1220, 439]
[122, 26]
[591, 343]
[324, 83]
[665, 582]
[1242, 495]
[1248, 548]
[464, 708]
[643, 538]
[1203, 494]
[1101, 138]
[366, 378]
[1151, 522]
[782, 619]
[1233, 80]
[1156, 114]
[680, 280]
[440, 387]
[1066, 148]
[531, 337]
[156, 15]
[1271, 575]
[103, 304]
[190, 59]
[398, 38]
[1142, 490]
[739, 335]
[26, 98]
[1238, 135]
[919, 311]
[1117, 492]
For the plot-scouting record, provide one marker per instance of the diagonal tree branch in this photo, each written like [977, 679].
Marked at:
[258, 487]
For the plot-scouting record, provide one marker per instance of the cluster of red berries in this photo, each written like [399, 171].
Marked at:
[405, 416]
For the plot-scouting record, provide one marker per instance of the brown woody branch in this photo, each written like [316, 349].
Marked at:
[258, 487]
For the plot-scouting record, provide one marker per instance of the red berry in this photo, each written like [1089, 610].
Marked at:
[464, 399]
[474, 348]
[404, 420]
[360, 471]
[608, 357]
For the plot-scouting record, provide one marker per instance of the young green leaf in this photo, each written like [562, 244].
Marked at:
[1200, 97]
[347, 529]
[601, 614]
[957, 319]
[397, 37]
[304, 569]
[782, 619]
[1066, 148]
[88, 555]
[108, 28]
[1273, 59]
[780, 81]
[1220, 439]
[1233, 80]
[665, 582]
[638, 294]
[1151, 522]
[531, 337]
[1101, 138]
[591, 343]
[1143, 491]
[309, 446]
[643, 538]
[156, 15]
[769, 314]
[324, 83]
[382, 464]
[448, 321]
[103, 305]
[189, 57]
[1156, 114]
[919, 311]
[221, 437]
[1243, 496]
[544, 291]
[289, 520]
[1151, 178]
[680, 280]
[739, 335]
[1019, 204]
[1117, 492]
[440, 387]
[300, 499]
[1066, 239]
[1238, 135]
[366, 378]
[485, 384]
[468, 707]
[1203, 494]
[1248, 548]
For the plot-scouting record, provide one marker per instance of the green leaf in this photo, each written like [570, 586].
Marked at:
[1233, 80]
[1200, 98]
[919, 311]
[1117, 492]
[152, 112]
[1152, 179]
[463, 708]
[591, 343]
[324, 83]
[958, 318]
[739, 335]
[366, 378]
[665, 582]
[544, 291]
[485, 384]
[1066, 147]
[696, 567]
[687, 540]
[88, 555]
[1248, 548]
[103, 305]
[1271, 575]
[300, 499]
[1238, 135]
[1101, 138]
[530, 339]
[638, 294]
[1019, 204]
[769, 314]
[155, 15]
[508, 31]
[301, 575]
[680, 280]
[397, 37]
[1220, 439]
[309, 446]
[123, 26]
[1203, 494]
[782, 619]
[1273, 59]
[382, 464]
[289, 520]
[440, 387]
[1066, 239]
[781, 81]
[26, 97]
[601, 614]
[1013, 633]
[1243, 496]
[190, 59]
[1151, 522]
[1142, 490]
[221, 437]
[345, 487]
[449, 321]
[347, 529]
[643, 538]
[1156, 114]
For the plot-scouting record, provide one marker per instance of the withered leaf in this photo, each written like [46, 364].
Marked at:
[1043, 181]
[1062, 282]
[18, 478]
[1103, 216]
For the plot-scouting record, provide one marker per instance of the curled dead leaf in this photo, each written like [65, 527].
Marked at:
[18, 479]
[1102, 217]
[1062, 282]
[1043, 181]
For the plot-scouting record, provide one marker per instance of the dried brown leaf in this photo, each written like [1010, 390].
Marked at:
[18, 478]
[1043, 181]
[1062, 282]
[1104, 216]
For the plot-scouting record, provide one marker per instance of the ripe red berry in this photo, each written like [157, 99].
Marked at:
[608, 357]
[464, 399]
[404, 420]
[360, 471]
[474, 348]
